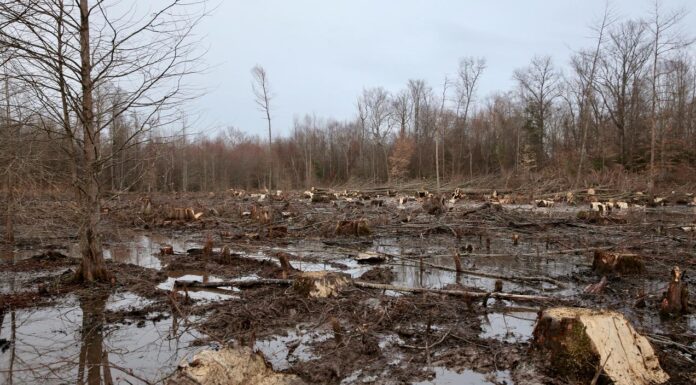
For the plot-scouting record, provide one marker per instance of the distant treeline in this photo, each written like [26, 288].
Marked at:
[627, 103]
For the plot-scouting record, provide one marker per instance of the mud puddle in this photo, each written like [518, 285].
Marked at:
[71, 342]
[511, 327]
[284, 350]
[444, 376]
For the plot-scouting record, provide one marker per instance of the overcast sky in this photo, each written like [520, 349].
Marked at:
[320, 54]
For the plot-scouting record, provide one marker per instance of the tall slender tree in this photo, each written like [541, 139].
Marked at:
[263, 96]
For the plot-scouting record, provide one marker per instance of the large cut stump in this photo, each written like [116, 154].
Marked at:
[320, 284]
[579, 343]
[612, 262]
[230, 367]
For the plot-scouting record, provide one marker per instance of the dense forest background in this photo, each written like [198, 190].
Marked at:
[625, 106]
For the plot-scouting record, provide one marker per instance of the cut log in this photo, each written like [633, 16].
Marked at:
[320, 284]
[370, 257]
[577, 342]
[612, 262]
[457, 293]
[182, 214]
[239, 283]
[675, 300]
[230, 367]
[544, 203]
[321, 197]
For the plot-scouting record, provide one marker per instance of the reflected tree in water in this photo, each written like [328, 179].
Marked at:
[94, 358]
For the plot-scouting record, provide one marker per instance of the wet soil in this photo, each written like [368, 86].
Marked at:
[139, 327]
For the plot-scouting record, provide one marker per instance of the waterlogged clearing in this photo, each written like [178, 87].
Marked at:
[415, 293]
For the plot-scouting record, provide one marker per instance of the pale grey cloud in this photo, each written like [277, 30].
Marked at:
[320, 54]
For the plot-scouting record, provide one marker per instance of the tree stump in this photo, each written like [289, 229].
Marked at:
[356, 228]
[320, 284]
[622, 263]
[675, 300]
[578, 343]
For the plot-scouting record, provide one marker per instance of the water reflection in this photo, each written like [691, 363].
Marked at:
[409, 273]
[94, 360]
[72, 343]
[444, 376]
[508, 327]
[141, 250]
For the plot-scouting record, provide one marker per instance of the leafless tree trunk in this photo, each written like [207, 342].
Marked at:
[9, 214]
[263, 96]
[440, 131]
[184, 166]
[588, 90]
[469, 72]
[93, 267]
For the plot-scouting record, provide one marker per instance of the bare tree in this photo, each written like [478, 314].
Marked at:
[418, 90]
[666, 38]
[620, 76]
[440, 130]
[263, 96]
[539, 87]
[376, 108]
[470, 70]
[588, 86]
[402, 107]
[64, 52]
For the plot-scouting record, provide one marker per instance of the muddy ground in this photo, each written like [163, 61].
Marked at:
[138, 328]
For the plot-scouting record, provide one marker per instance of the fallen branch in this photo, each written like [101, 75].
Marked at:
[240, 283]
[496, 276]
[459, 293]
[369, 285]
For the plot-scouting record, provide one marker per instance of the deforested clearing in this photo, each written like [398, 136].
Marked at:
[525, 217]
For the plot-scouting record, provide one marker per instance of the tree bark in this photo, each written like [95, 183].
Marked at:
[93, 267]
[9, 214]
